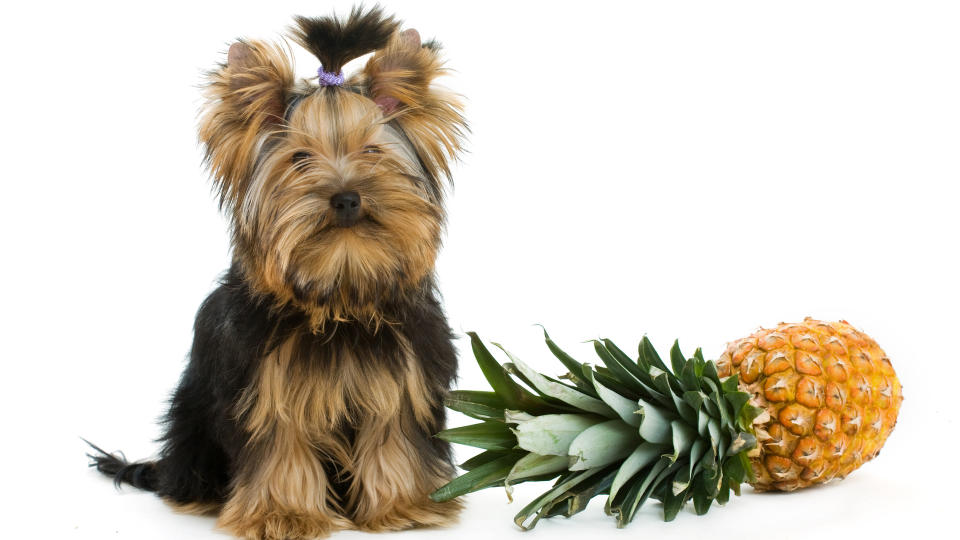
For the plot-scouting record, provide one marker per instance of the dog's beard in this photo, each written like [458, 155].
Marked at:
[357, 264]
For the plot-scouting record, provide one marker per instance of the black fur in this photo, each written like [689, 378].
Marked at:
[141, 474]
[335, 42]
[203, 439]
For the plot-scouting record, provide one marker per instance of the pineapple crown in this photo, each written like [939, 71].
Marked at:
[630, 429]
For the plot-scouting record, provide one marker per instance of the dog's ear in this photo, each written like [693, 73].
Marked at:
[399, 78]
[245, 100]
[401, 72]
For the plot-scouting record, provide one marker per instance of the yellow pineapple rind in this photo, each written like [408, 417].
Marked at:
[830, 394]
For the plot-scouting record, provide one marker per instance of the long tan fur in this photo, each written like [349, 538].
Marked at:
[294, 414]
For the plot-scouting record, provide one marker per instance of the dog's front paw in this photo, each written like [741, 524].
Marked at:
[278, 526]
[399, 516]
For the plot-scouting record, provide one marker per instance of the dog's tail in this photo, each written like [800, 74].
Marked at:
[139, 474]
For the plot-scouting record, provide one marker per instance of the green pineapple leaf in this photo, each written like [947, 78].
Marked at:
[477, 404]
[486, 475]
[488, 435]
[551, 434]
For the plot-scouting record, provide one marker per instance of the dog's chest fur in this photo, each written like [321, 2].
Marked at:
[316, 385]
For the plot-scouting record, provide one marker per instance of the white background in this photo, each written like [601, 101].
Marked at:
[681, 169]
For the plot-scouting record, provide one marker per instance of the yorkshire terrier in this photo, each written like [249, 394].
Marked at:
[319, 365]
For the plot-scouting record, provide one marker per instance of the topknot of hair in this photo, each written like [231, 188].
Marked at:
[335, 41]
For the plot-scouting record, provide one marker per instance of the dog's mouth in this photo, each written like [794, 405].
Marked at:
[365, 220]
[363, 223]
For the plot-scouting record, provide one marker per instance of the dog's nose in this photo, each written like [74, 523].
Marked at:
[346, 205]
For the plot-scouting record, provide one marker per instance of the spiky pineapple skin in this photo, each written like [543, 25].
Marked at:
[831, 394]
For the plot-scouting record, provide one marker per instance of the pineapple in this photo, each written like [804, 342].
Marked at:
[782, 409]
[829, 392]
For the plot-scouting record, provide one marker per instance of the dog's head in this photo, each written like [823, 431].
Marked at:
[334, 184]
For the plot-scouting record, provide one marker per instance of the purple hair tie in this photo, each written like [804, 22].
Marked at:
[329, 79]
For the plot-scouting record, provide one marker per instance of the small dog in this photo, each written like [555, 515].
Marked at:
[319, 366]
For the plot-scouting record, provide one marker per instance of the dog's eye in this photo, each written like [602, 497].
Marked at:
[300, 157]
[372, 149]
